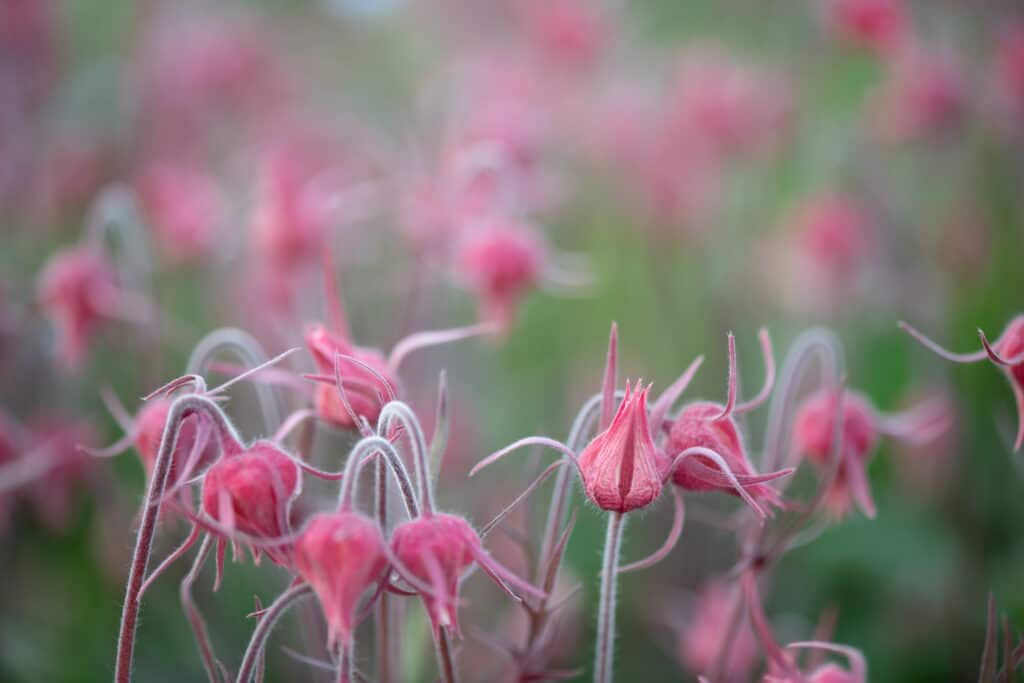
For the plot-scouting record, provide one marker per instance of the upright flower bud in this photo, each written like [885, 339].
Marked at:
[622, 468]
[252, 492]
[340, 555]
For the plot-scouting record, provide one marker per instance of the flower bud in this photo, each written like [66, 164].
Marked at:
[622, 468]
[340, 555]
[363, 389]
[252, 492]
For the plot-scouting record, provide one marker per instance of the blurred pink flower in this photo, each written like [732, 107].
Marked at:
[182, 205]
[78, 290]
[880, 25]
[570, 33]
[924, 94]
[58, 440]
[708, 630]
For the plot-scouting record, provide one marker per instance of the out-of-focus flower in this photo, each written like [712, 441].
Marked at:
[923, 96]
[58, 441]
[815, 429]
[79, 290]
[69, 172]
[182, 205]
[501, 261]
[570, 33]
[830, 672]
[708, 630]
[28, 48]
[879, 25]
[1009, 73]
[733, 109]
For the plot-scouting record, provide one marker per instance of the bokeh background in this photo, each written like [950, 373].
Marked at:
[692, 167]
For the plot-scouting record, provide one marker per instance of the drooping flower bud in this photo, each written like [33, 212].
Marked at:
[78, 290]
[813, 430]
[149, 426]
[701, 425]
[622, 468]
[436, 550]
[364, 389]
[340, 555]
[502, 260]
[252, 492]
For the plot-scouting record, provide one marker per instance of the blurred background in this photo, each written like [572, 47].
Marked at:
[685, 168]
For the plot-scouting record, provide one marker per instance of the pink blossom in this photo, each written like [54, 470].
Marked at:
[924, 94]
[58, 440]
[570, 33]
[78, 289]
[880, 25]
[183, 206]
[340, 555]
[707, 631]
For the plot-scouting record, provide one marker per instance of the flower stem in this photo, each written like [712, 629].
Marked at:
[192, 612]
[265, 626]
[182, 407]
[605, 647]
[445, 661]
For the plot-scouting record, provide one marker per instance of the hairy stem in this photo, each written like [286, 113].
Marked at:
[445, 659]
[265, 626]
[181, 408]
[605, 646]
[195, 619]
[382, 617]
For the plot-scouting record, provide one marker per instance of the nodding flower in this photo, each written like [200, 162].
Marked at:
[830, 672]
[815, 431]
[79, 291]
[711, 426]
[366, 376]
[1007, 352]
[502, 260]
[432, 550]
[340, 555]
[149, 430]
[251, 491]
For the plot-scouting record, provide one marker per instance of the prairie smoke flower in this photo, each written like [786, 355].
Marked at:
[1007, 352]
[622, 469]
[707, 631]
[182, 205]
[570, 33]
[815, 430]
[251, 490]
[79, 290]
[340, 555]
[55, 442]
[711, 427]
[501, 261]
[924, 95]
[879, 25]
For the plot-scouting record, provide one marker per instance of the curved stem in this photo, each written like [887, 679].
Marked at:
[605, 647]
[182, 407]
[188, 605]
[396, 411]
[376, 446]
[266, 624]
[248, 350]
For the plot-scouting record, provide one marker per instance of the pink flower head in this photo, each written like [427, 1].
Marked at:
[813, 431]
[78, 289]
[437, 550]
[622, 468]
[340, 555]
[52, 494]
[573, 33]
[1009, 68]
[363, 385]
[1007, 352]
[710, 426]
[880, 25]
[733, 109]
[707, 632]
[502, 260]
[183, 207]
[149, 431]
[924, 95]
[251, 492]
